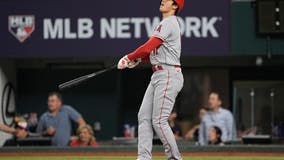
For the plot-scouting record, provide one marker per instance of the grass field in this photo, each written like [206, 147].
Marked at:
[134, 158]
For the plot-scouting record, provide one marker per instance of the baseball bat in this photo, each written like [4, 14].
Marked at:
[81, 79]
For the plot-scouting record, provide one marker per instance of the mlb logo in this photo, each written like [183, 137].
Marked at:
[21, 26]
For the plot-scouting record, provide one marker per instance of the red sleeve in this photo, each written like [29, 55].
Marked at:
[145, 50]
[145, 59]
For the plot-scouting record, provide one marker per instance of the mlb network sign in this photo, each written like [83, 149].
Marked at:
[22, 27]
[125, 28]
[93, 28]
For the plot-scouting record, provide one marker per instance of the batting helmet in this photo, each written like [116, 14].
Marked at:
[180, 4]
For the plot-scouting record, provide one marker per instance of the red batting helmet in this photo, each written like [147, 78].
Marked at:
[180, 4]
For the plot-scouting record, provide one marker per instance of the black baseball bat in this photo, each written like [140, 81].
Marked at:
[81, 79]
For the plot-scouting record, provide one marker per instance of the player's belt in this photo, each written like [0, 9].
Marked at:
[160, 67]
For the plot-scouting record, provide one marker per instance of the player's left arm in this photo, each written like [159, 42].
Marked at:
[141, 53]
[145, 49]
[161, 33]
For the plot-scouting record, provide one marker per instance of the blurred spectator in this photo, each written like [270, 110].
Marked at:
[194, 131]
[217, 116]
[215, 135]
[85, 137]
[129, 131]
[56, 122]
[32, 122]
[20, 131]
[246, 131]
[175, 128]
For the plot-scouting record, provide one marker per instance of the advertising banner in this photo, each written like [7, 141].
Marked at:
[76, 28]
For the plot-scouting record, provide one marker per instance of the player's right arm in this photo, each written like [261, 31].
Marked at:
[142, 52]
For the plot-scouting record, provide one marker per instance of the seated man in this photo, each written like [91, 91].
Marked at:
[219, 117]
[56, 122]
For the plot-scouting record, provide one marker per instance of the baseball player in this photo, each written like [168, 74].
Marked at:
[163, 50]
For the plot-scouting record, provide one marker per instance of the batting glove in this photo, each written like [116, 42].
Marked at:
[134, 63]
[123, 63]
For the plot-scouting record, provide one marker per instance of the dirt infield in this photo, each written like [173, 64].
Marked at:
[195, 154]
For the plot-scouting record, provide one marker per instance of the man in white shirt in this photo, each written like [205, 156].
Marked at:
[217, 116]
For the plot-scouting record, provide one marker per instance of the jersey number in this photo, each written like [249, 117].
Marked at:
[155, 52]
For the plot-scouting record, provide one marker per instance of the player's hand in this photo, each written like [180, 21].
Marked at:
[123, 63]
[134, 63]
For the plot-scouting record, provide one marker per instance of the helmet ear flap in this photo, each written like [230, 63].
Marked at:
[180, 4]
